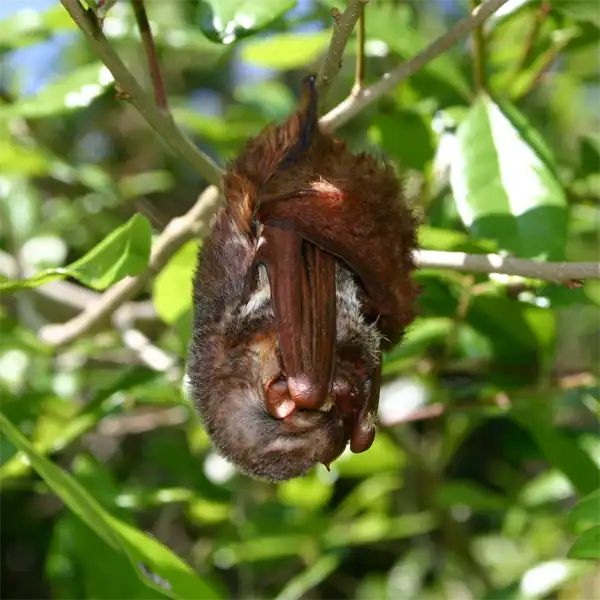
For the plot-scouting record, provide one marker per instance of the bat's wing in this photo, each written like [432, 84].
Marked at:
[302, 280]
[370, 244]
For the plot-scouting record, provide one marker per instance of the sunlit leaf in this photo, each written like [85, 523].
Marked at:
[226, 21]
[172, 291]
[503, 188]
[286, 50]
[137, 546]
[125, 251]
[309, 492]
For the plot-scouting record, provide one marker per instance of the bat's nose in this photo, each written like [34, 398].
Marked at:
[306, 393]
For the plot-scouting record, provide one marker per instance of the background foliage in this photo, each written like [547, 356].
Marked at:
[475, 502]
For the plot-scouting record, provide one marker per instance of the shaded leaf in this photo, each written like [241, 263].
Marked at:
[136, 545]
[579, 10]
[391, 133]
[561, 451]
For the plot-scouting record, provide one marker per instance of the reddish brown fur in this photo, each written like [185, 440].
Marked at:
[354, 210]
[347, 205]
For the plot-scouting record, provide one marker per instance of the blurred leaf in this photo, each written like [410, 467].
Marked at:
[123, 252]
[172, 290]
[586, 512]
[587, 545]
[503, 189]
[437, 238]
[309, 492]
[286, 50]
[467, 493]
[372, 528]
[227, 21]
[383, 455]
[391, 132]
[579, 10]
[137, 546]
[391, 23]
[28, 26]
[561, 451]
[69, 93]
[299, 585]
[517, 331]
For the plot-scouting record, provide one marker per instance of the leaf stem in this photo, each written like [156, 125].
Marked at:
[359, 75]
[160, 95]
[478, 52]
[160, 121]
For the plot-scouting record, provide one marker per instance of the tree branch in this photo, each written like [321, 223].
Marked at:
[176, 234]
[160, 121]
[352, 105]
[342, 29]
[558, 272]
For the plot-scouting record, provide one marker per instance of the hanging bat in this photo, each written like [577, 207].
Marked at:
[305, 278]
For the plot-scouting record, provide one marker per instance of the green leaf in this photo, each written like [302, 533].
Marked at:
[517, 331]
[181, 581]
[391, 132]
[68, 93]
[299, 585]
[227, 21]
[392, 24]
[383, 455]
[474, 496]
[504, 189]
[172, 290]
[309, 492]
[579, 10]
[123, 252]
[586, 512]
[285, 51]
[561, 451]
[587, 545]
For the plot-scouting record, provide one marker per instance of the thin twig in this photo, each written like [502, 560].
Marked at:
[540, 16]
[176, 234]
[478, 51]
[160, 95]
[558, 272]
[359, 73]
[352, 105]
[549, 59]
[160, 121]
[342, 30]
[152, 356]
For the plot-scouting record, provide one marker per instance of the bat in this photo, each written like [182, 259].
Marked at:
[305, 278]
